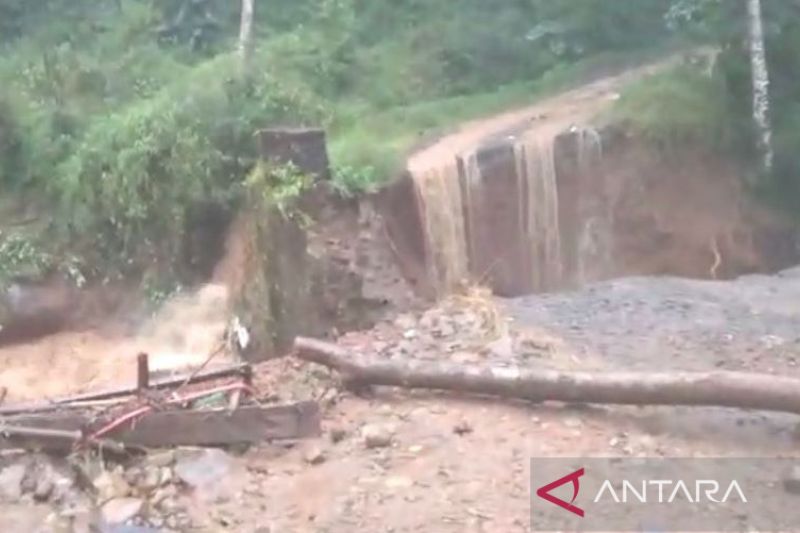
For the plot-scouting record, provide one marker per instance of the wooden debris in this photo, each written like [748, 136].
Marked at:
[170, 428]
[142, 372]
[223, 427]
[721, 389]
[57, 404]
[51, 439]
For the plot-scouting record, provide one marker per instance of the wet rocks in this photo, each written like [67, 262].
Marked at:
[376, 436]
[121, 510]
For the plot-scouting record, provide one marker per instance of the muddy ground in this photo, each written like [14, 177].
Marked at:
[397, 461]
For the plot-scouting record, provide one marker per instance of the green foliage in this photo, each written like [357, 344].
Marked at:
[676, 108]
[21, 256]
[581, 27]
[136, 173]
[725, 24]
[352, 180]
[278, 186]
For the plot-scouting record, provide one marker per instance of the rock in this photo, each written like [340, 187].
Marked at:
[44, 489]
[202, 467]
[165, 476]
[163, 495]
[120, 510]
[212, 475]
[89, 522]
[32, 472]
[314, 455]
[462, 428]
[110, 485]
[151, 479]
[172, 522]
[161, 459]
[791, 481]
[338, 435]
[11, 481]
[376, 436]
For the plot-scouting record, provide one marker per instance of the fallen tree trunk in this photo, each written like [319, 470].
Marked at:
[722, 389]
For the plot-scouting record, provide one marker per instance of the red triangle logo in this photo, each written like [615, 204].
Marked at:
[544, 492]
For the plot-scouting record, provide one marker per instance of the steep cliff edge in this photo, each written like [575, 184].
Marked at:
[543, 199]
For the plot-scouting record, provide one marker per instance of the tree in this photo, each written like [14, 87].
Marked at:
[246, 35]
[760, 78]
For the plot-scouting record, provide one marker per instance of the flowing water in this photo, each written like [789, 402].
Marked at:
[454, 200]
[538, 212]
[439, 191]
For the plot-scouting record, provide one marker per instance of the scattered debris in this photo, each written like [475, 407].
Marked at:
[111, 484]
[155, 416]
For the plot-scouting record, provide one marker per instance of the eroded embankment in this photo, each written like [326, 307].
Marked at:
[540, 200]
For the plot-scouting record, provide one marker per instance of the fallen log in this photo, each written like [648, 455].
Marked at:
[718, 388]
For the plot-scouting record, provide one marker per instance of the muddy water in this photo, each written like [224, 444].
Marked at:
[656, 324]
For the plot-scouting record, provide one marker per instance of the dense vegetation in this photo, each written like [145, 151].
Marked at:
[120, 116]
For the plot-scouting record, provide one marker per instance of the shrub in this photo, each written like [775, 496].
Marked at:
[135, 174]
[677, 107]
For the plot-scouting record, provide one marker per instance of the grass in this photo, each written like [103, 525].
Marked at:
[380, 139]
[678, 107]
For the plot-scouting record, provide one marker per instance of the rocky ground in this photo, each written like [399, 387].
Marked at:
[397, 461]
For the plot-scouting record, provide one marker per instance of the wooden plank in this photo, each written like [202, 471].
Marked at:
[223, 427]
[54, 439]
[181, 427]
[142, 372]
